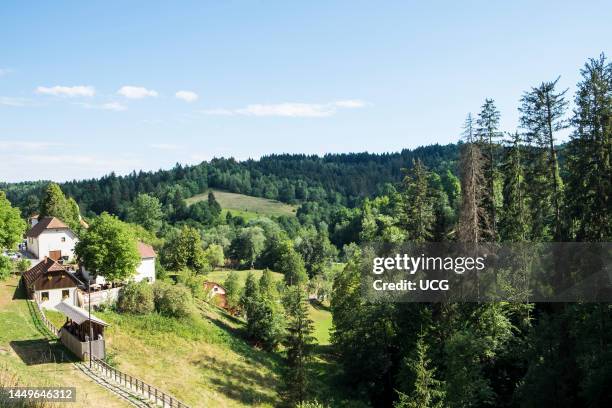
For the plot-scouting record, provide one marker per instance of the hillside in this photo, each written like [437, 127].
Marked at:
[246, 206]
[32, 357]
[204, 361]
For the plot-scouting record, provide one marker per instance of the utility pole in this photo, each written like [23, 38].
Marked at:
[89, 310]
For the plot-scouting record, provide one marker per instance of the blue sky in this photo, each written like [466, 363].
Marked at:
[86, 89]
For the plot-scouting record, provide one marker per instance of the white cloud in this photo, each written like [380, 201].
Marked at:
[290, 109]
[164, 146]
[187, 96]
[136, 92]
[69, 91]
[5, 71]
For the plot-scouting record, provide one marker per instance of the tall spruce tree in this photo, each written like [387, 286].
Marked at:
[426, 390]
[589, 153]
[298, 343]
[488, 133]
[513, 223]
[418, 203]
[542, 116]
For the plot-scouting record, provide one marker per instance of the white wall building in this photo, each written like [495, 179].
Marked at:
[50, 237]
[144, 271]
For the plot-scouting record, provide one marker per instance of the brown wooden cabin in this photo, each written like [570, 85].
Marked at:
[50, 283]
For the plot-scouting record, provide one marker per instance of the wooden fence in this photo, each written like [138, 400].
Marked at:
[45, 321]
[137, 385]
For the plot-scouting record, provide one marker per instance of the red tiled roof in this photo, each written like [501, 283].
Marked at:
[146, 251]
[45, 223]
[45, 266]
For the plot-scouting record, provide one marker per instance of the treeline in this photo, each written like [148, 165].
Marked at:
[334, 178]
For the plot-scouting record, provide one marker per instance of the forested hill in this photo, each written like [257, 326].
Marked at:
[291, 178]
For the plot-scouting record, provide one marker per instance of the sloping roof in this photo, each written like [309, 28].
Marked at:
[146, 251]
[76, 314]
[45, 266]
[210, 284]
[45, 223]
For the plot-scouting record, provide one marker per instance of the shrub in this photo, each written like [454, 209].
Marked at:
[136, 298]
[194, 282]
[23, 265]
[214, 255]
[173, 300]
[6, 266]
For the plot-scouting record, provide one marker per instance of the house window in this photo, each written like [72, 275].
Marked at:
[44, 296]
[65, 294]
[63, 239]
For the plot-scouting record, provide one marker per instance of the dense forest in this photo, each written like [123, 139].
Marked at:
[494, 185]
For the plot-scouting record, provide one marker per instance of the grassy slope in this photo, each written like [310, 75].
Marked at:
[204, 360]
[28, 354]
[246, 206]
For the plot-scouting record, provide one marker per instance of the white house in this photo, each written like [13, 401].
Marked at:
[50, 237]
[144, 271]
[49, 283]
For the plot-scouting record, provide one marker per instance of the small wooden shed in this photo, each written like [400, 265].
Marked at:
[75, 333]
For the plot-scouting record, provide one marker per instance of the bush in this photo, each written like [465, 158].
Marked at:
[136, 298]
[214, 255]
[23, 265]
[194, 282]
[6, 266]
[173, 300]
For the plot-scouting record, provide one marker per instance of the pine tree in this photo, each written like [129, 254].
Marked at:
[55, 204]
[488, 133]
[263, 313]
[473, 224]
[213, 204]
[513, 223]
[298, 343]
[426, 391]
[418, 203]
[589, 154]
[542, 115]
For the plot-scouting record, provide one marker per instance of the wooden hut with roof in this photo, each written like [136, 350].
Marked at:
[80, 325]
[50, 283]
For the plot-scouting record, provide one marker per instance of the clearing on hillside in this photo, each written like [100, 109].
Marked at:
[246, 206]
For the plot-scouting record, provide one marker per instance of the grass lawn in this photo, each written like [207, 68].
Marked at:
[246, 206]
[31, 356]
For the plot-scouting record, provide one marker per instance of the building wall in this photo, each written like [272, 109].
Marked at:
[55, 297]
[52, 240]
[144, 271]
